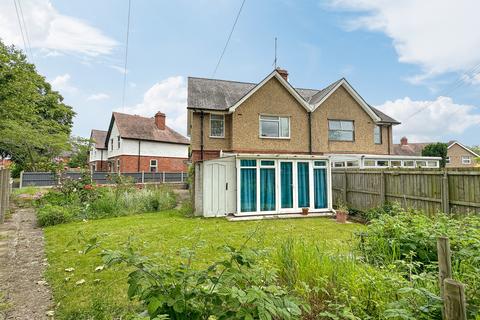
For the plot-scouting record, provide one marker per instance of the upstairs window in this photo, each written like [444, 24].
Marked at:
[377, 135]
[466, 160]
[153, 165]
[274, 127]
[447, 160]
[118, 142]
[217, 126]
[111, 144]
[340, 130]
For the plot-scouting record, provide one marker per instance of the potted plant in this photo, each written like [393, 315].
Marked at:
[341, 212]
[304, 211]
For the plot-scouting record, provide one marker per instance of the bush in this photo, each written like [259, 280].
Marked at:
[51, 214]
[232, 288]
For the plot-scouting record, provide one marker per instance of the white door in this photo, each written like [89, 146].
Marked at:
[215, 185]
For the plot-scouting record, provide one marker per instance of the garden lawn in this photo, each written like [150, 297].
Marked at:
[103, 295]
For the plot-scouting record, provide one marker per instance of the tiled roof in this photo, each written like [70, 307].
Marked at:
[410, 149]
[215, 94]
[99, 137]
[143, 128]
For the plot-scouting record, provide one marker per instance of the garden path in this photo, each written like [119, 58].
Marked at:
[24, 293]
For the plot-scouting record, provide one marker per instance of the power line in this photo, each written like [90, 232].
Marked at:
[456, 85]
[228, 39]
[126, 56]
[26, 30]
[21, 28]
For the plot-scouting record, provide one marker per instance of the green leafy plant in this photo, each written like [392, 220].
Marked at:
[235, 287]
[438, 149]
[50, 215]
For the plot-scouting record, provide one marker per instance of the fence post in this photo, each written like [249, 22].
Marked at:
[21, 179]
[382, 187]
[445, 193]
[344, 187]
[143, 176]
[181, 177]
[454, 301]
[444, 264]
[163, 176]
[2, 193]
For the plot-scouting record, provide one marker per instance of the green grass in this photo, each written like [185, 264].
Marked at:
[164, 232]
[27, 190]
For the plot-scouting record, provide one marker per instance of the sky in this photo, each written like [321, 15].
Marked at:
[418, 61]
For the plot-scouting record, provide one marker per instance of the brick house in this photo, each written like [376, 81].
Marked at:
[134, 144]
[98, 151]
[241, 131]
[458, 155]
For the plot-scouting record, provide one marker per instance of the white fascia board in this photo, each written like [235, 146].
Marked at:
[355, 95]
[464, 147]
[285, 83]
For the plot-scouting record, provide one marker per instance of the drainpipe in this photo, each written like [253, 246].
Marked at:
[201, 134]
[138, 160]
[310, 132]
[101, 160]
[388, 136]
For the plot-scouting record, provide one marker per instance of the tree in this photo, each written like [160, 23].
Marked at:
[438, 149]
[80, 149]
[35, 124]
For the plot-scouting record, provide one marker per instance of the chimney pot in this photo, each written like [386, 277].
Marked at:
[283, 73]
[160, 120]
[404, 141]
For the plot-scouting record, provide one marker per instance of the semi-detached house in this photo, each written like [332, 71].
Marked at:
[134, 144]
[267, 147]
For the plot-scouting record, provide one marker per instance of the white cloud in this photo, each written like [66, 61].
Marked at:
[63, 84]
[441, 117]
[438, 35]
[52, 31]
[119, 69]
[98, 96]
[168, 96]
[472, 79]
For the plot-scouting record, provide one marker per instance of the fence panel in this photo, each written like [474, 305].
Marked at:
[4, 193]
[455, 191]
[38, 179]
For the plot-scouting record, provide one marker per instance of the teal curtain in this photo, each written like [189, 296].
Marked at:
[267, 189]
[320, 185]
[248, 189]
[286, 183]
[303, 185]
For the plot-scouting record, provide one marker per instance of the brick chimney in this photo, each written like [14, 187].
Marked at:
[404, 141]
[160, 120]
[283, 73]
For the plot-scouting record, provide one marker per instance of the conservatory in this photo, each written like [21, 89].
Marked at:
[382, 161]
[259, 184]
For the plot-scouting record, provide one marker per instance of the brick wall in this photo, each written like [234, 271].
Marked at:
[131, 164]
[207, 155]
[99, 166]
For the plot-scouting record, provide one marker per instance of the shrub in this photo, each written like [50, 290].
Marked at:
[232, 288]
[187, 208]
[51, 214]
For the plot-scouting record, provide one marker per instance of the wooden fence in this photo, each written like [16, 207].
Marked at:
[450, 191]
[5, 189]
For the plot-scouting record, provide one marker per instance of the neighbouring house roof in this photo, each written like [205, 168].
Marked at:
[222, 95]
[144, 128]
[410, 149]
[99, 137]
[415, 149]
[453, 142]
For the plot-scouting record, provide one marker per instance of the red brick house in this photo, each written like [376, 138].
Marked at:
[135, 144]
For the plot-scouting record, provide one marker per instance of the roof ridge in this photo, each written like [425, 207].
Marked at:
[212, 79]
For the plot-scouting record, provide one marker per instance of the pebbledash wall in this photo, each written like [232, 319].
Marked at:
[135, 155]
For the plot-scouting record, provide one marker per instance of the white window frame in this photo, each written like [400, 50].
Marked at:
[341, 129]
[111, 144]
[223, 125]
[447, 160]
[377, 134]
[260, 120]
[466, 160]
[118, 142]
[153, 166]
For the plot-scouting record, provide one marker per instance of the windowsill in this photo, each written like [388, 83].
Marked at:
[214, 137]
[341, 140]
[276, 138]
